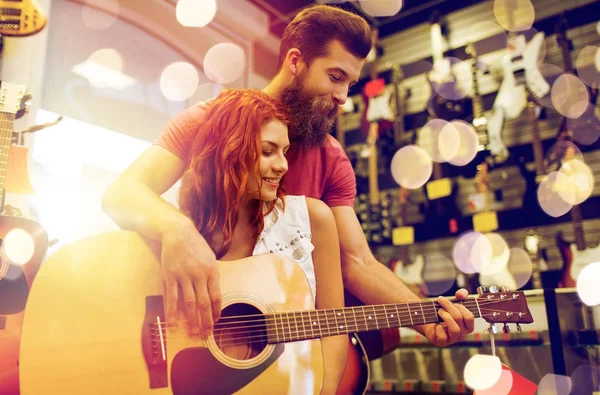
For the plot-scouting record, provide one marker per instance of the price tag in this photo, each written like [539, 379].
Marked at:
[439, 188]
[485, 222]
[403, 236]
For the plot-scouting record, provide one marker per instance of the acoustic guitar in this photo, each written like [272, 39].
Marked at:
[20, 18]
[95, 324]
[23, 245]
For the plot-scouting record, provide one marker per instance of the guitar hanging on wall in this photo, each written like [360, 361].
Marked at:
[23, 246]
[446, 101]
[20, 18]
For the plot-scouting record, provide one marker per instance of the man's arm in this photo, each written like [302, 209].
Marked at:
[133, 201]
[373, 283]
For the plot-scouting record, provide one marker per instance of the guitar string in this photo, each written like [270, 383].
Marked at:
[376, 309]
[381, 319]
[298, 331]
[266, 337]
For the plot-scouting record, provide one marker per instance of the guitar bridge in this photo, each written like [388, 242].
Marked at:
[154, 342]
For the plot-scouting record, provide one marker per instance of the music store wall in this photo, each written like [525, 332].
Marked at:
[523, 142]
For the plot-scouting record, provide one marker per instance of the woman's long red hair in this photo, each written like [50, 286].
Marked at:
[226, 151]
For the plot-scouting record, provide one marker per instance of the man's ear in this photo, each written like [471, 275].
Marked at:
[293, 61]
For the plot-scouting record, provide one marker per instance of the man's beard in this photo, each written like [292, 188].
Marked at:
[312, 117]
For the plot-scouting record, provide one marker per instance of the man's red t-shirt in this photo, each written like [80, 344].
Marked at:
[323, 173]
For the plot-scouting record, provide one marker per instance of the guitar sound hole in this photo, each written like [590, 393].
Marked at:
[241, 332]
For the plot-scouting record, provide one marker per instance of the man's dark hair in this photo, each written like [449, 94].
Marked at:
[315, 27]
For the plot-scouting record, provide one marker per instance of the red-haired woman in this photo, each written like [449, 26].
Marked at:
[233, 193]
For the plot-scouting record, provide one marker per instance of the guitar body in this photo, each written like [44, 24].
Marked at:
[88, 318]
[440, 105]
[357, 374]
[15, 283]
[21, 18]
[574, 259]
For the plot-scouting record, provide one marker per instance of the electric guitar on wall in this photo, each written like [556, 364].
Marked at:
[408, 271]
[538, 263]
[22, 249]
[533, 178]
[19, 18]
[490, 141]
[105, 331]
[446, 101]
[575, 255]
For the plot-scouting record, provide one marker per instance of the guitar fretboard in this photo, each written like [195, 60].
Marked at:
[311, 324]
[7, 121]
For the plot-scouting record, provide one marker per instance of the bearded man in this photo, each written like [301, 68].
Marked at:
[322, 52]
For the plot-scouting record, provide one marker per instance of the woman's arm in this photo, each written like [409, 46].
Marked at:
[330, 290]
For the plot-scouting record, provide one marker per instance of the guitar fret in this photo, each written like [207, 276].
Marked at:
[303, 325]
[435, 311]
[355, 320]
[345, 320]
[287, 315]
[365, 315]
[422, 313]
[283, 337]
[375, 316]
[398, 315]
[310, 325]
[386, 316]
[410, 315]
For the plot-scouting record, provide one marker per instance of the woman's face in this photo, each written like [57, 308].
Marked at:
[273, 163]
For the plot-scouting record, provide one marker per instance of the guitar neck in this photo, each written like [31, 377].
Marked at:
[6, 130]
[373, 174]
[538, 151]
[311, 324]
[578, 228]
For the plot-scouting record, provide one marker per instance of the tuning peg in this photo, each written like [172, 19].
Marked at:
[519, 328]
[481, 290]
[493, 289]
[503, 289]
[493, 329]
[506, 328]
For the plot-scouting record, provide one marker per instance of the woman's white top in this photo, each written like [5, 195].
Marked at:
[288, 233]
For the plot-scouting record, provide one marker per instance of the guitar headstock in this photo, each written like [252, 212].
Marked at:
[532, 242]
[560, 29]
[14, 99]
[502, 306]
[481, 179]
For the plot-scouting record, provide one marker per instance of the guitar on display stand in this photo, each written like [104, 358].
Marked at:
[575, 255]
[441, 192]
[377, 116]
[267, 338]
[446, 101]
[538, 262]
[491, 149]
[20, 18]
[403, 236]
[400, 139]
[521, 76]
[533, 178]
[19, 264]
